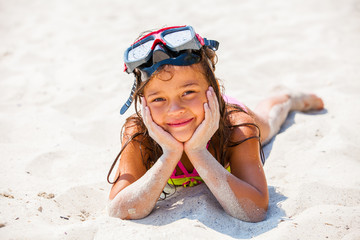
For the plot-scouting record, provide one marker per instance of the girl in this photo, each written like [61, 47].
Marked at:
[188, 132]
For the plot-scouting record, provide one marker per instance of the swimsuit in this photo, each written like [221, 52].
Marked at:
[187, 179]
[192, 179]
[231, 100]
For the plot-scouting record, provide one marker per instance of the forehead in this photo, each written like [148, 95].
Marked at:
[177, 76]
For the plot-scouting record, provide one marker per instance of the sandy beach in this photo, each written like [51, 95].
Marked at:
[62, 85]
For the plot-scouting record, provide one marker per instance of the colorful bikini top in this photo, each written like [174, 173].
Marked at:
[187, 179]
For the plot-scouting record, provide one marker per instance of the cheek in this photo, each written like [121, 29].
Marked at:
[156, 114]
[198, 108]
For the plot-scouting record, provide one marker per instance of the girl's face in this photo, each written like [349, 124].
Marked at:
[177, 104]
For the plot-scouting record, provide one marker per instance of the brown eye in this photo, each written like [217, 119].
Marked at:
[188, 92]
[158, 100]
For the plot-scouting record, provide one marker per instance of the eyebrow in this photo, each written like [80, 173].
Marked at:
[153, 93]
[189, 84]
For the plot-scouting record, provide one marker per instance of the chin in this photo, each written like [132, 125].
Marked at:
[182, 137]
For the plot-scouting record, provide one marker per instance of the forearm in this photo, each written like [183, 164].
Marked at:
[238, 198]
[138, 199]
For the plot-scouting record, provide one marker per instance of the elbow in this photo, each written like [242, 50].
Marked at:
[258, 216]
[250, 211]
[118, 210]
[257, 212]
[115, 210]
[251, 215]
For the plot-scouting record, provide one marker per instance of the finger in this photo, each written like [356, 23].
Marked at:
[146, 114]
[143, 104]
[214, 106]
[211, 98]
[207, 114]
[212, 101]
[144, 101]
[149, 119]
[206, 110]
[216, 102]
[149, 123]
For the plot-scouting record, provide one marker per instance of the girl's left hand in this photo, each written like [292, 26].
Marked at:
[208, 127]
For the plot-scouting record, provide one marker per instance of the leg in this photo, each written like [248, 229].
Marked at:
[271, 113]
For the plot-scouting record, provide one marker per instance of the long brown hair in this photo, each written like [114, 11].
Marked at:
[148, 145]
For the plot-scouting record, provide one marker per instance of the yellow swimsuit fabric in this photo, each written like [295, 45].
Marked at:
[188, 181]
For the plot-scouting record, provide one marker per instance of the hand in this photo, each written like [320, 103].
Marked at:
[208, 127]
[167, 142]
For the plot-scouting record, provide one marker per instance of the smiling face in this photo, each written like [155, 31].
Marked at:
[176, 99]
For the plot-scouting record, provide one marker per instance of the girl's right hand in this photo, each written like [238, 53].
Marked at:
[167, 142]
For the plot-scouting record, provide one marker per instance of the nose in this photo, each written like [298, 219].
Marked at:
[175, 108]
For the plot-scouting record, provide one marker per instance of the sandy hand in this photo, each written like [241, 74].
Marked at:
[208, 127]
[167, 142]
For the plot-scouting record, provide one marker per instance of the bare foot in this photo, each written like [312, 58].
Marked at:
[305, 102]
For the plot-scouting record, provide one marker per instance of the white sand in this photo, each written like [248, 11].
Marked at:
[62, 85]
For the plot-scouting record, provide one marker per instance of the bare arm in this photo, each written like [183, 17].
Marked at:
[243, 193]
[244, 198]
[139, 198]
[136, 192]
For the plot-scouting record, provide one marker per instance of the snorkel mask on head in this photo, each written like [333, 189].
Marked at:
[178, 46]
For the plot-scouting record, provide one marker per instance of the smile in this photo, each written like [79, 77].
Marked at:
[180, 123]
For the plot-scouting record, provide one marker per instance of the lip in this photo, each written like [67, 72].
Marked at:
[180, 123]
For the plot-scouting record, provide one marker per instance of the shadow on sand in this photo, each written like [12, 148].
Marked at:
[198, 203]
[290, 120]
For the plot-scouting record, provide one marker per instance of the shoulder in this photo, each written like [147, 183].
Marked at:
[133, 126]
[134, 137]
[132, 163]
[242, 125]
[136, 141]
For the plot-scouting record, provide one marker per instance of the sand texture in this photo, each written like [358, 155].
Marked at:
[62, 85]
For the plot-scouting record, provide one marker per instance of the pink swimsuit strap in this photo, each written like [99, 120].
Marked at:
[183, 169]
[232, 100]
[186, 173]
